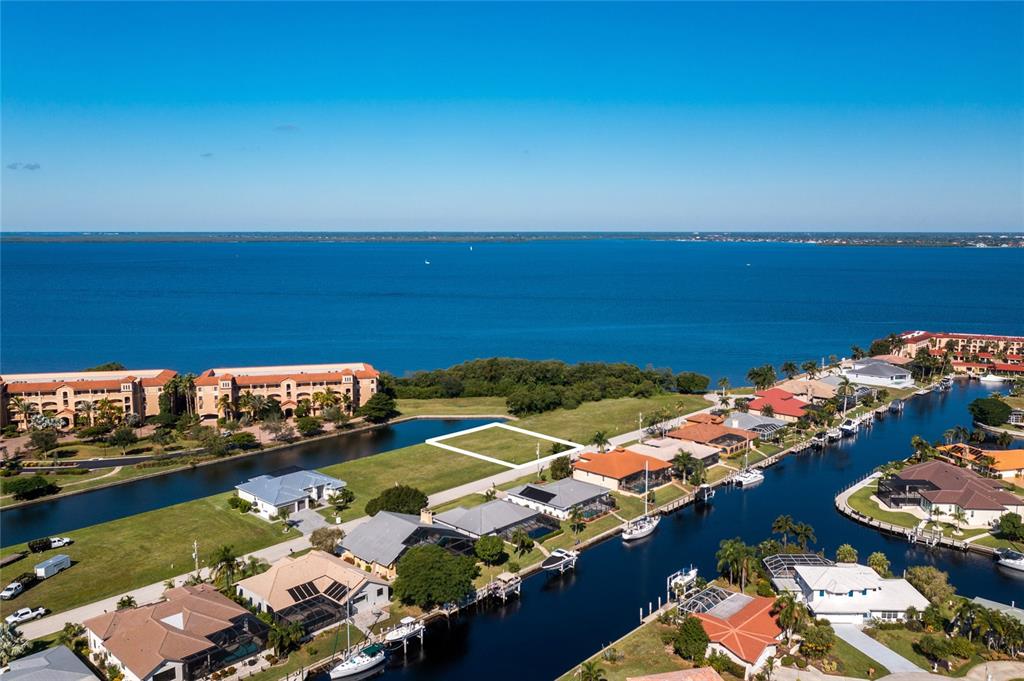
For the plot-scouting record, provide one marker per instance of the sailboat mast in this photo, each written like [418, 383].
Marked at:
[646, 487]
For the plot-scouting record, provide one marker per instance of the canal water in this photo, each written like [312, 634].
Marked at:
[110, 503]
[559, 621]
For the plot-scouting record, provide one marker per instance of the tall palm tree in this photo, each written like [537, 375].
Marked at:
[791, 614]
[723, 384]
[961, 433]
[790, 369]
[346, 403]
[600, 440]
[576, 521]
[87, 410]
[949, 435]
[226, 406]
[25, 409]
[107, 412]
[804, 534]
[784, 526]
[682, 462]
[810, 367]
[844, 389]
[224, 562]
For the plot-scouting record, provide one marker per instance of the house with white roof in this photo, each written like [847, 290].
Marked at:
[294, 491]
[558, 498]
[850, 593]
[877, 373]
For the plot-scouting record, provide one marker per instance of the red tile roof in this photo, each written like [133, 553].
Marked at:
[781, 402]
[698, 674]
[618, 464]
[748, 631]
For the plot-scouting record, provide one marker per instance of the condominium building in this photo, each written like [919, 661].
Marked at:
[354, 384]
[960, 343]
[74, 396]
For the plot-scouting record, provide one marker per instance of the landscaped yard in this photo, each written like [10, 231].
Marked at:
[503, 444]
[457, 406]
[852, 662]
[717, 472]
[861, 501]
[320, 648]
[998, 543]
[116, 557]
[901, 641]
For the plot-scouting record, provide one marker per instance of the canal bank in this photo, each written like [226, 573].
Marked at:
[561, 619]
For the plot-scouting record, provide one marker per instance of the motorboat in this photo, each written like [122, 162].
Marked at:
[560, 560]
[407, 628]
[991, 378]
[1008, 558]
[819, 439]
[366, 662]
[848, 427]
[896, 406]
[705, 493]
[833, 434]
[681, 581]
[748, 477]
[645, 525]
[945, 384]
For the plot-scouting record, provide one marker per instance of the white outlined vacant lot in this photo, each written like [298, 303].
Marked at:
[503, 444]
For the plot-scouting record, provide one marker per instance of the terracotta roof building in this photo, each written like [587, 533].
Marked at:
[783, 404]
[193, 632]
[1001, 463]
[622, 469]
[959, 343]
[727, 440]
[743, 628]
[353, 384]
[697, 674]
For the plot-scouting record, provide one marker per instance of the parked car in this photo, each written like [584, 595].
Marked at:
[25, 615]
[52, 565]
[60, 542]
[11, 590]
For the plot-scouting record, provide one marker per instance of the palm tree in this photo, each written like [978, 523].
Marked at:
[12, 643]
[960, 516]
[592, 671]
[804, 534]
[226, 406]
[106, 412]
[284, 638]
[730, 557]
[600, 440]
[784, 527]
[949, 435]
[810, 367]
[1004, 439]
[723, 401]
[346, 403]
[522, 542]
[576, 521]
[126, 602]
[25, 409]
[844, 389]
[699, 475]
[224, 563]
[682, 462]
[961, 433]
[790, 369]
[723, 383]
[922, 448]
[71, 632]
[86, 409]
[326, 398]
[791, 614]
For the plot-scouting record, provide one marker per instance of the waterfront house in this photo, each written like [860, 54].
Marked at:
[377, 544]
[727, 440]
[940, 488]
[898, 360]
[558, 498]
[498, 517]
[765, 427]
[270, 494]
[74, 397]
[353, 383]
[741, 627]
[849, 593]
[622, 469]
[193, 632]
[998, 463]
[809, 390]
[878, 374]
[667, 448]
[695, 674]
[780, 403]
[53, 664]
[315, 590]
[1008, 609]
[1017, 417]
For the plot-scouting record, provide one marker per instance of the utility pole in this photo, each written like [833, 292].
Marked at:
[538, 461]
[195, 554]
[640, 422]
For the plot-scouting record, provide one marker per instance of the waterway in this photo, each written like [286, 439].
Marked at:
[110, 503]
[559, 621]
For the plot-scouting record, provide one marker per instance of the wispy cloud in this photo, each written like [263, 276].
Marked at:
[286, 127]
[23, 166]
[206, 154]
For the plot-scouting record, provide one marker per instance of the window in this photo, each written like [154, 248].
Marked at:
[166, 675]
[380, 591]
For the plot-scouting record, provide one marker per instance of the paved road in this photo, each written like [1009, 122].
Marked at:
[873, 649]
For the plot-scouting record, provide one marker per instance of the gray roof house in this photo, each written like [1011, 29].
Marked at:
[292, 491]
[54, 664]
[878, 373]
[1011, 610]
[558, 498]
[762, 425]
[378, 543]
[493, 517]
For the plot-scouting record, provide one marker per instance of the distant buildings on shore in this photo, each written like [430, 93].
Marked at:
[972, 353]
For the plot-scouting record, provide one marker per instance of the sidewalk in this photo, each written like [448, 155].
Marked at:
[992, 671]
[876, 651]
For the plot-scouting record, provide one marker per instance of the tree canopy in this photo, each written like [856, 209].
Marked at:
[931, 582]
[379, 408]
[689, 640]
[991, 411]
[428, 575]
[397, 499]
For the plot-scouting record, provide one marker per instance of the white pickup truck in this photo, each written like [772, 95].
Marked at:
[25, 615]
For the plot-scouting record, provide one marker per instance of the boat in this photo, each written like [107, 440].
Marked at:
[367, 661]
[819, 439]
[945, 384]
[848, 427]
[645, 525]
[896, 406]
[407, 628]
[681, 581]
[833, 434]
[748, 477]
[560, 560]
[705, 493]
[991, 378]
[1008, 558]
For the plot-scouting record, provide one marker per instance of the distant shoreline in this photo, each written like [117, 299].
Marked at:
[902, 239]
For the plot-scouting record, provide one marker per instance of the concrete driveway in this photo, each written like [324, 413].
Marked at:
[873, 649]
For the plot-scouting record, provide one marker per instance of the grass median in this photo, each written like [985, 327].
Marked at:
[862, 502]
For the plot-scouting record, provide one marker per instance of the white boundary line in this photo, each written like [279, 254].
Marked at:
[574, 447]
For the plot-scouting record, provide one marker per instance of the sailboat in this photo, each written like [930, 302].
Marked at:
[748, 476]
[645, 524]
[363, 664]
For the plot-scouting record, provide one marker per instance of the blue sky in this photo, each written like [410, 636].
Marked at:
[264, 116]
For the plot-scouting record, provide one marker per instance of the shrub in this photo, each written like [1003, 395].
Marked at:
[801, 663]
[233, 502]
[244, 505]
[397, 499]
[990, 411]
[489, 549]
[29, 487]
[309, 426]
[788, 660]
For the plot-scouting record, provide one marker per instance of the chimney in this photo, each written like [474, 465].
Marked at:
[426, 516]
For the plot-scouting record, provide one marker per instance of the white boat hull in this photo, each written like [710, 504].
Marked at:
[748, 479]
[643, 529]
[358, 667]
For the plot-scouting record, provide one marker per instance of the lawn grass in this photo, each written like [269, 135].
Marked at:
[717, 472]
[613, 417]
[998, 543]
[642, 653]
[427, 468]
[566, 540]
[468, 501]
[852, 662]
[456, 406]
[901, 641]
[116, 557]
[321, 647]
[861, 501]
[503, 444]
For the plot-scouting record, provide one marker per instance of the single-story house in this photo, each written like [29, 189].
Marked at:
[765, 427]
[377, 544]
[53, 664]
[780, 404]
[744, 629]
[897, 360]
[667, 448]
[1000, 463]
[849, 593]
[876, 373]
[498, 517]
[1009, 610]
[809, 390]
[622, 469]
[727, 440]
[938, 487]
[192, 633]
[696, 674]
[294, 491]
[558, 498]
[316, 590]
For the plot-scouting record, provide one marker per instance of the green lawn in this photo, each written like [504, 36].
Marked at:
[614, 417]
[852, 662]
[320, 648]
[115, 557]
[642, 653]
[428, 468]
[468, 501]
[457, 406]
[717, 472]
[506, 445]
[861, 501]
[566, 540]
[998, 543]
[902, 642]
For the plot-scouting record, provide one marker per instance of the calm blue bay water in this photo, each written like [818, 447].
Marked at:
[714, 307]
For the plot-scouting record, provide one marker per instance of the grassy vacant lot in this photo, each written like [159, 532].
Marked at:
[861, 501]
[852, 662]
[506, 445]
[457, 406]
[614, 417]
[642, 653]
[430, 469]
[115, 557]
